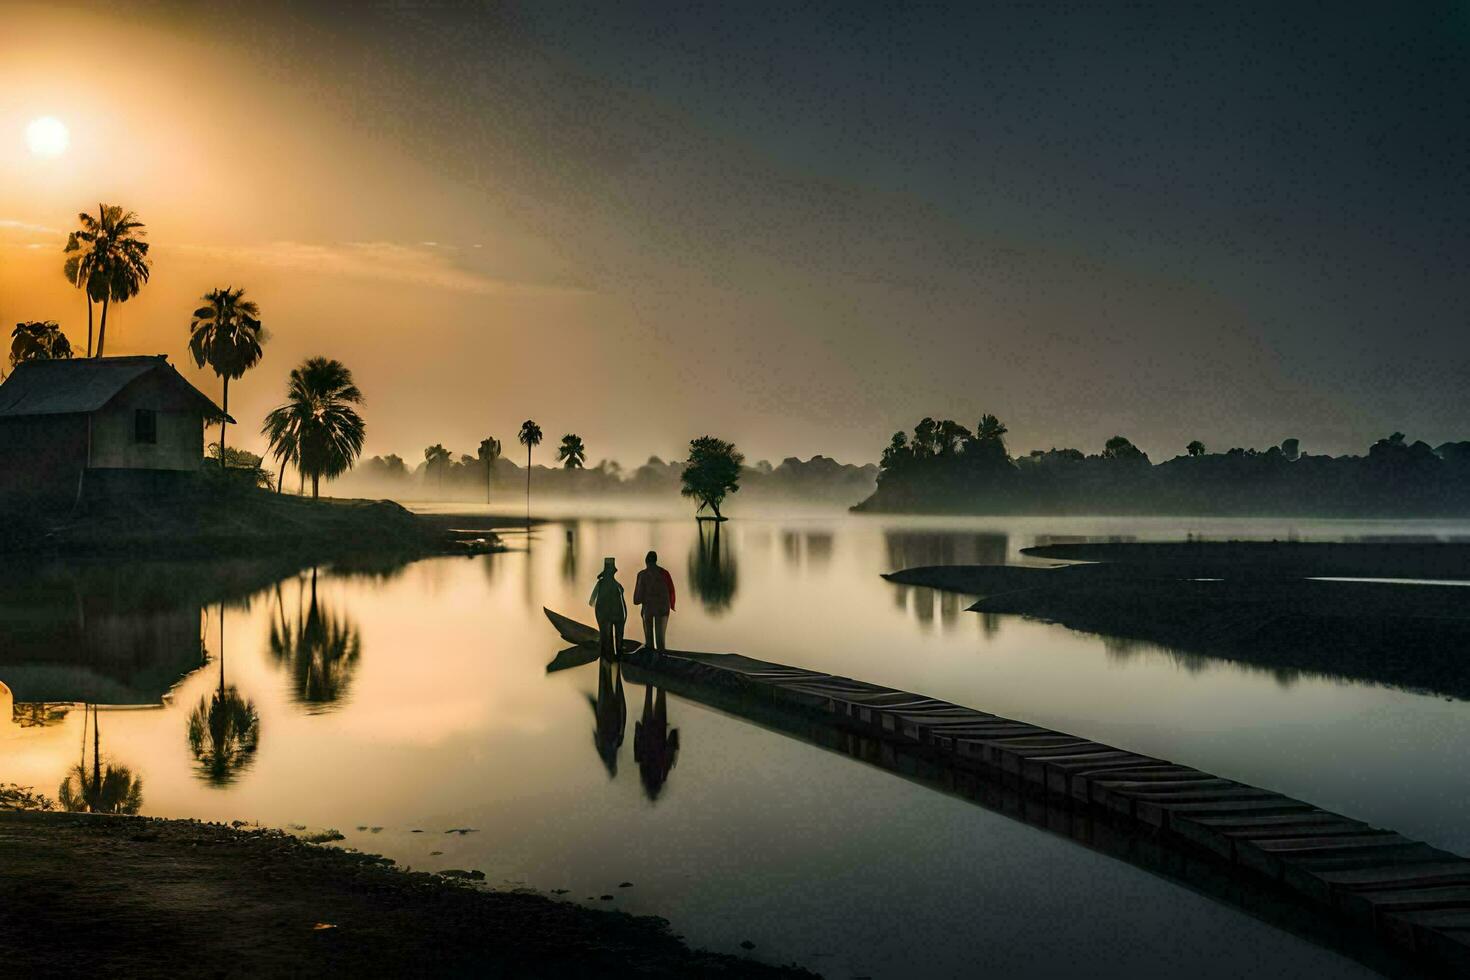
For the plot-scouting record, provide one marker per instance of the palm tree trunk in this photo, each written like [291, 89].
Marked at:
[281, 480]
[528, 484]
[102, 330]
[225, 410]
[315, 484]
[89, 321]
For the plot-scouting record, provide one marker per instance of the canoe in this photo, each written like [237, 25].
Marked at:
[582, 635]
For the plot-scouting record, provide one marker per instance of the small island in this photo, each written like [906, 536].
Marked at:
[945, 468]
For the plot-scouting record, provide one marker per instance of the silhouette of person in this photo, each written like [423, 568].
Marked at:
[655, 745]
[654, 591]
[611, 607]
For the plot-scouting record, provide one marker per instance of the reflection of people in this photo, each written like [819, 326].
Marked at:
[654, 591]
[655, 746]
[611, 608]
[611, 711]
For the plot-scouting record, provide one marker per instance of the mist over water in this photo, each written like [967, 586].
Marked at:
[416, 698]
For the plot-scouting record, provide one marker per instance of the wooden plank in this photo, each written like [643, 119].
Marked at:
[1121, 794]
[1320, 884]
[1268, 856]
[1159, 813]
[1368, 906]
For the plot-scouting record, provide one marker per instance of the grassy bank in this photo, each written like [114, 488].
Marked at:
[84, 894]
[222, 521]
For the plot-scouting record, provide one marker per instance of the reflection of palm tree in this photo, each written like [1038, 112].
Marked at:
[224, 729]
[100, 789]
[320, 649]
[569, 557]
[610, 708]
[655, 745]
[712, 571]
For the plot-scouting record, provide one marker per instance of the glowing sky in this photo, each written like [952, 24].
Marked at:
[797, 229]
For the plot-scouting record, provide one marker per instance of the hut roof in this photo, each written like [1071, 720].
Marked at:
[81, 386]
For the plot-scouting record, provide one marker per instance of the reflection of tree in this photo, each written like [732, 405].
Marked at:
[712, 570]
[99, 788]
[610, 708]
[224, 728]
[569, 557]
[655, 745]
[38, 714]
[319, 648]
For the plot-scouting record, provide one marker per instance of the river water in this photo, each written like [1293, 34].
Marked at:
[403, 705]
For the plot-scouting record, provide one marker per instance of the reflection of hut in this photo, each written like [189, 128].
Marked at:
[113, 636]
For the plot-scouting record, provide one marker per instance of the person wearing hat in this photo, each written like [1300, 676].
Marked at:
[610, 606]
[654, 591]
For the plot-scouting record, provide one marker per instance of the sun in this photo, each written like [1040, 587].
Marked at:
[47, 136]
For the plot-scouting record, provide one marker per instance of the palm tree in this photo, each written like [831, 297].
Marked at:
[328, 432]
[80, 268]
[436, 457]
[488, 452]
[572, 453]
[282, 429]
[226, 334]
[530, 437]
[108, 260]
[38, 340]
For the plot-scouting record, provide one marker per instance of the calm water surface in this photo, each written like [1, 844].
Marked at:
[417, 699]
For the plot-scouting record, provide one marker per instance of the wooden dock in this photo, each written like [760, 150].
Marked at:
[1411, 895]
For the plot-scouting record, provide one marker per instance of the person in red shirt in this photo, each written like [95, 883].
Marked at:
[654, 592]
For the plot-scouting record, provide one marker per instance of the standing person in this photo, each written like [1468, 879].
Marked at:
[611, 607]
[654, 591]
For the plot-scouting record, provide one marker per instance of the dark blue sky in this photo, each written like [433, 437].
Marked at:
[806, 225]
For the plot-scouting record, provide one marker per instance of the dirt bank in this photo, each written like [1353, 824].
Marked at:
[86, 895]
[209, 521]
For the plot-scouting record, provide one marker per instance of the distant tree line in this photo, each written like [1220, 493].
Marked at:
[944, 467]
[461, 476]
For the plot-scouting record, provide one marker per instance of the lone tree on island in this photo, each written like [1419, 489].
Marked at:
[711, 471]
[573, 454]
[226, 334]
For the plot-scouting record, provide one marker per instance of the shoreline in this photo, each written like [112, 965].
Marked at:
[156, 895]
[237, 522]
